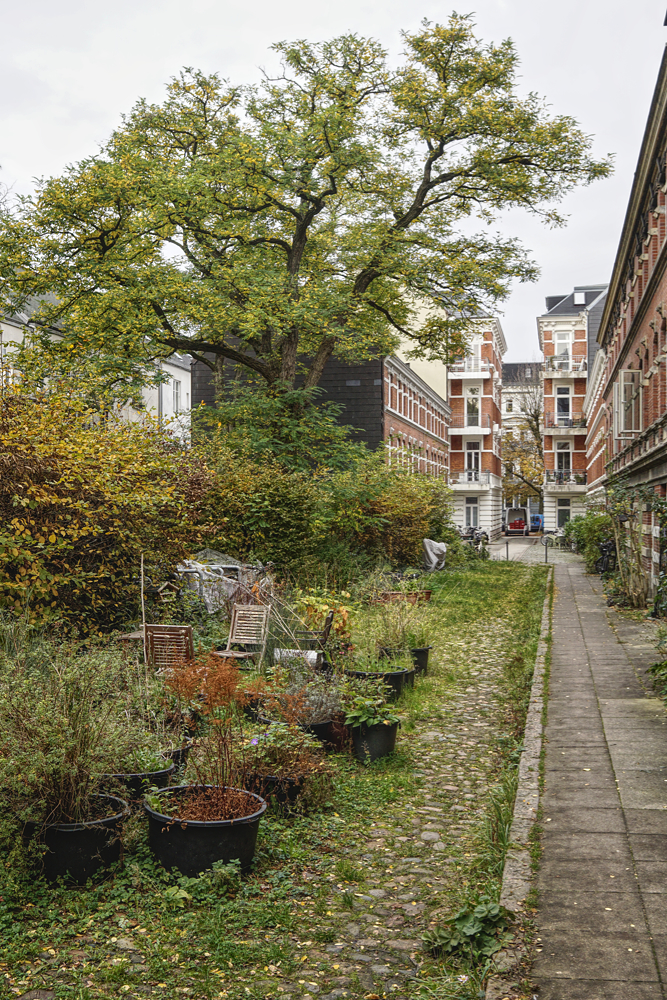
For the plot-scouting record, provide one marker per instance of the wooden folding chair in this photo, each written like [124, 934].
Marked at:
[167, 644]
[250, 627]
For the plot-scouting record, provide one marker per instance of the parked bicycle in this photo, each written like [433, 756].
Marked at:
[607, 561]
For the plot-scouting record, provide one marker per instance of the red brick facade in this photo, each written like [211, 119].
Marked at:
[415, 420]
[628, 409]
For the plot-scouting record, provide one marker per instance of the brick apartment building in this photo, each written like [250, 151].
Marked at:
[567, 335]
[475, 396]
[626, 405]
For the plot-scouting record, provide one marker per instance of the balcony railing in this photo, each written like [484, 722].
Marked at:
[470, 423]
[471, 476]
[565, 365]
[553, 420]
[562, 478]
[474, 365]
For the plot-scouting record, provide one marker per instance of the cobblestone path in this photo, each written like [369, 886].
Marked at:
[416, 859]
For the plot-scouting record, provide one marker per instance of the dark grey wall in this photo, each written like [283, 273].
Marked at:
[362, 401]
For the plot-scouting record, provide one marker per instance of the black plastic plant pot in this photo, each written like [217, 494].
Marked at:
[138, 784]
[180, 757]
[373, 742]
[76, 852]
[420, 658]
[394, 678]
[252, 709]
[284, 792]
[332, 734]
[192, 846]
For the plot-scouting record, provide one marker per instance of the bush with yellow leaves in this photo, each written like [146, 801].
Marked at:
[81, 497]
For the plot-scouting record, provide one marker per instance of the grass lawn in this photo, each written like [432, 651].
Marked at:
[338, 900]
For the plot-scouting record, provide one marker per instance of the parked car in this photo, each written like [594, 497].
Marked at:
[536, 522]
[518, 521]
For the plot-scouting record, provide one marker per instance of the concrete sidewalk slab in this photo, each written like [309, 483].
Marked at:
[602, 916]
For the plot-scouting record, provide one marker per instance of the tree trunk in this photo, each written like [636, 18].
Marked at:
[219, 386]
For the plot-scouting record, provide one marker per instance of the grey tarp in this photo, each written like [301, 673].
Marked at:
[434, 555]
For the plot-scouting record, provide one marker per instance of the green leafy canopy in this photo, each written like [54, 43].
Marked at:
[313, 213]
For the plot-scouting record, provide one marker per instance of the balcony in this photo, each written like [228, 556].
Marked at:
[560, 481]
[565, 367]
[467, 424]
[564, 426]
[470, 368]
[470, 478]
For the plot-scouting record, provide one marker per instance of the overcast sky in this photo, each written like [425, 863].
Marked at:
[69, 70]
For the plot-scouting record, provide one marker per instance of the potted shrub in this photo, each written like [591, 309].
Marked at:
[55, 740]
[374, 728]
[418, 644]
[212, 817]
[399, 632]
[141, 767]
[313, 703]
[408, 591]
[287, 764]
[396, 677]
[192, 826]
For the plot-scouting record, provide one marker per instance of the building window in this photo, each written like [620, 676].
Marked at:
[563, 406]
[472, 408]
[562, 339]
[176, 396]
[472, 512]
[509, 405]
[563, 458]
[472, 461]
[628, 403]
[564, 505]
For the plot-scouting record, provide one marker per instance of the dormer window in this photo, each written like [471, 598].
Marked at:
[580, 298]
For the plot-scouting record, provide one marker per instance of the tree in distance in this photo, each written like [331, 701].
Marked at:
[522, 449]
[272, 226]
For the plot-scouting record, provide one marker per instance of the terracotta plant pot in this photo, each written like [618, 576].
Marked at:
[395, 596]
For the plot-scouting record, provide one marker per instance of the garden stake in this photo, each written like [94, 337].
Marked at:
[143, 608]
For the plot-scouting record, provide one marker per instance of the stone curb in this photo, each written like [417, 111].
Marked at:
[517, 881]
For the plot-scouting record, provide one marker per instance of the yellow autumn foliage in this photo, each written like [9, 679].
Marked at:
[81, 497]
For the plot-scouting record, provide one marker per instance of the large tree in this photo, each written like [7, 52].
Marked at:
[311, 214]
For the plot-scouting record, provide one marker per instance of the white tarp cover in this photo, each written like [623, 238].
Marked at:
[434, 555]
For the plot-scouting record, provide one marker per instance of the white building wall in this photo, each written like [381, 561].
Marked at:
[169, 403]
[489, 507]
[577, 506]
